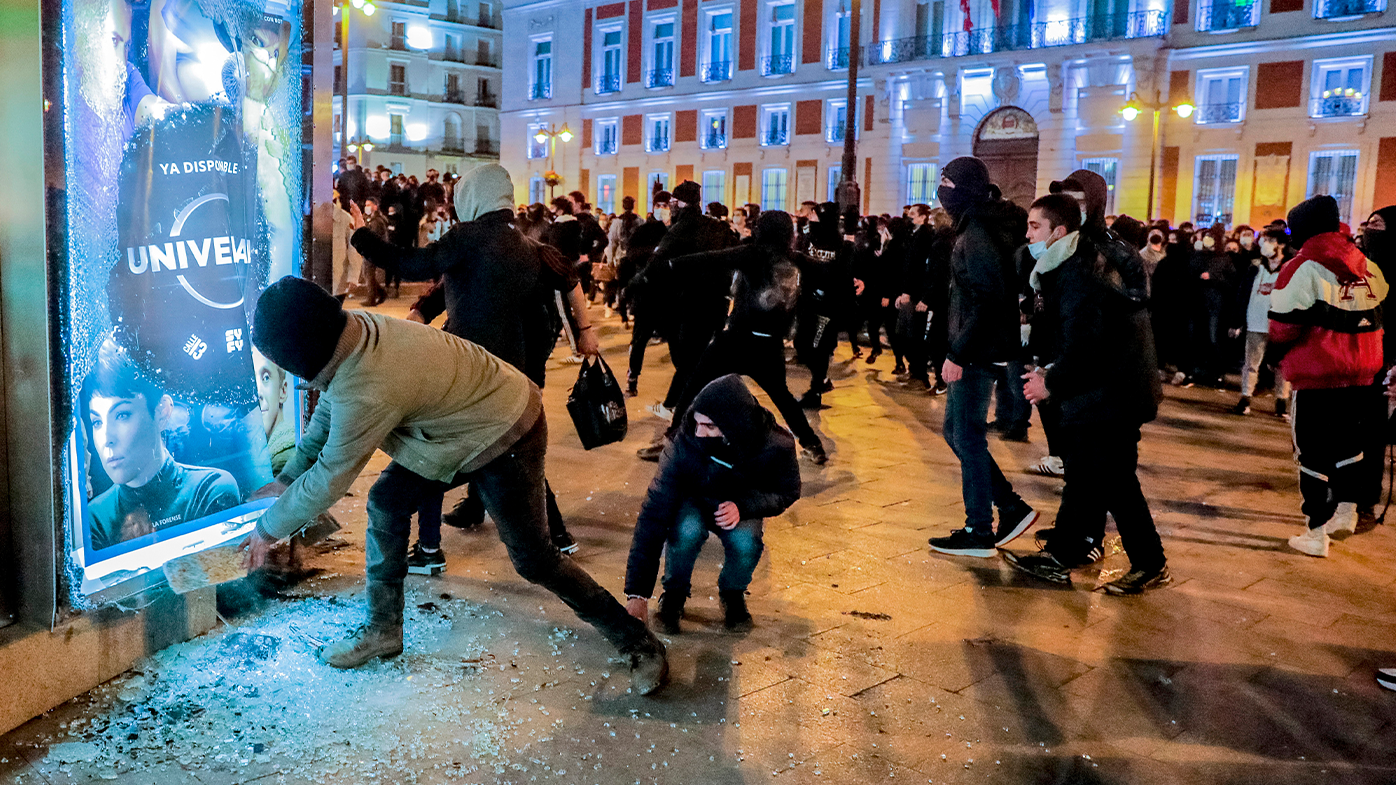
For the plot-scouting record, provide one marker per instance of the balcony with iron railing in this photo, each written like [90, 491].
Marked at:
[487, 101]
[835, 132]
[778, 65]
[452, 146]
[1007, 38]
[540, 91]
[714, 140]
[1346, 9]
[606, 145]
[775, 137]
[1224, 15]
[1337, 103]
[486, 147]
[486, 61]
[659, 77]
[607, 83]
[658, 143]
[454, 97]
[836, 59]
[1219, 113]
[717, 72]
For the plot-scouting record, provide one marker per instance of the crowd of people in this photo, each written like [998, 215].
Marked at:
[1060, 307]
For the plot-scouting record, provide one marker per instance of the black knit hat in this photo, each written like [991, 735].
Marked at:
[297, 326]
[689, 192]
[970, 176]
[1313, 217]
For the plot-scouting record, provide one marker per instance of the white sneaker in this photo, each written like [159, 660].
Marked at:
[1179, 378]
[661, 411]
[1386, 677]
[1050, 466]
[609, 313]
[1344, 519]
[1313, 542]
[574, 359]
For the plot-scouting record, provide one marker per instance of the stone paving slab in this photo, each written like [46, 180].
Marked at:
[872, 660]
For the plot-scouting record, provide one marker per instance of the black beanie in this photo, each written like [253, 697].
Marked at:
[297, 326]
[1313, 217]
[774, 229]
[970, 176]
[689, 192]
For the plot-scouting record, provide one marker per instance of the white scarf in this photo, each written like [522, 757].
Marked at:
[1052, 258]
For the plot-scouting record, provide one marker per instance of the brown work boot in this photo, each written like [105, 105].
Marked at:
[380, 637]
[649, 666]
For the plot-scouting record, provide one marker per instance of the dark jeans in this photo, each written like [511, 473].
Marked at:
[429, 520]
[685, 352]
[1051, 418]
[639, 341]
[1102, 462]
[872, 314]
[966, 431]
[1011, 410]
[472, 508]
[512, 488]
[742, 546]
[1332, 440]
[762, 359]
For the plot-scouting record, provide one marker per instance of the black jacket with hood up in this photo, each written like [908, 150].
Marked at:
[983, 310]
[756, 469]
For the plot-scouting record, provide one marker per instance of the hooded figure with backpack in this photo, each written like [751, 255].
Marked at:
[827, 299]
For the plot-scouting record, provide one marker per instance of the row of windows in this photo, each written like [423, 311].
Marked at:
[712, 132]
[1214, 16]
[1338, 87]
[717, 51]
[1331, 172]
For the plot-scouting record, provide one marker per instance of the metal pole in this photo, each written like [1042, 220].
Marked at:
[1153, 162]
[849, 195]
[344, 12]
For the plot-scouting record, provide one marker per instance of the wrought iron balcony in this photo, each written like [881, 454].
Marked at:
[1339, 9]
[836, 59]
[777, 65]
[836, 132]
[1207, 219]
[1208, 114]
[1227, 15]
[775, 137]
[1340, 103]
[606, 146]
[486, 147]
[714, 140]
[607, 83]
[455, 96]
[660, 77]
[453, 146]
[487, 101]
[717, 72]
[540, 91]
[986, 40]
[659, 143]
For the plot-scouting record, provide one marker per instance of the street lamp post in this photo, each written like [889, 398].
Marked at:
[368, 9]
[550, 137]
[847, 192]
[361, 147]
[1131, 110]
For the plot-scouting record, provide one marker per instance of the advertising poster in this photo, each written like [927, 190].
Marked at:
[182, 163]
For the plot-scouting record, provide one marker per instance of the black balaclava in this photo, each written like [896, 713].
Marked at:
[1313, 217]
[971, 179]
[824, 232]
[774, 230]
[1097, 192]
[297, 326]
[1380, 246]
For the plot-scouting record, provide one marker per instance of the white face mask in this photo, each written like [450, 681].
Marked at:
[1269, 248]
[661, 214]
[1247, 241]
[1197, 245]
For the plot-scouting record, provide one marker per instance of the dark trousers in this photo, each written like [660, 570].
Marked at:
[1011, 410]
[816, 335]
[1102, 462]
[472, 508]
[966, 430]
[911, 334]
[1051, 418]
[512, 488]
[873, 315]
[762, 359]
[639, 341]
[685, 352]
[1331, 440]
[429, 520]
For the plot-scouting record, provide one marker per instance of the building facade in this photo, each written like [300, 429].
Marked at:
[748, 98]
[424, 84]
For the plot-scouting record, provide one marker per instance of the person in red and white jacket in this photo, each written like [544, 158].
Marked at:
[1326, 324]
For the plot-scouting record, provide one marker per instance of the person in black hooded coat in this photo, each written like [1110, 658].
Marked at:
[729, 468]
[827, 299]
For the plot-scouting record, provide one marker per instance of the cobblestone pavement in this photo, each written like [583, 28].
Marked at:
[872, 660]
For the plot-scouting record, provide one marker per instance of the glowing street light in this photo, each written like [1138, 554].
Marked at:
[1131, 111]
[551, 136]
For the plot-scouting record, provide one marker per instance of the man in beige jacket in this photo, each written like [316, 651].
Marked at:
[470, 418]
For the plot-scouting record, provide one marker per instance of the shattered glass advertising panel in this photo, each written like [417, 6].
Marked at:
[182, 162]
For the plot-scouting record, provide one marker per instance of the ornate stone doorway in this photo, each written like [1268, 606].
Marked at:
[1006, 141]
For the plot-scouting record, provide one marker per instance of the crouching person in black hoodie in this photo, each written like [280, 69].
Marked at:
[729, 468]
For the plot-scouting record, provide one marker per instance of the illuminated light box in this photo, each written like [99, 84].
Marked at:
[182, 171]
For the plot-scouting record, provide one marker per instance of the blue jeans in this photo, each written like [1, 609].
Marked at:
[1011, 410]
[742, 545]
[966, 431]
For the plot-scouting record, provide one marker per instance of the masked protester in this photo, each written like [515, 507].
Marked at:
[729, 468]
[1250, 316]
[826, 299]
[1103, 377]
[474, 418]
[983, 331]
[1326, 328]
[1212, 276]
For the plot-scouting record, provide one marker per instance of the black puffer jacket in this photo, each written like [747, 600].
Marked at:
[755, 469]
[983, 310]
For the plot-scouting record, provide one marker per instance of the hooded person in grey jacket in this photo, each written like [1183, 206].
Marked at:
[477, 419]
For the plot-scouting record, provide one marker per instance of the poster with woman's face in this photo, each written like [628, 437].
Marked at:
[182, 151]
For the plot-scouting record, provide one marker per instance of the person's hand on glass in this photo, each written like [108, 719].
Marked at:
[255, 549]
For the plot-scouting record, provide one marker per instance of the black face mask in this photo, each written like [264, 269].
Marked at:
[1156, 239]
[715, 446]
[1378, 245]
[954, 200]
